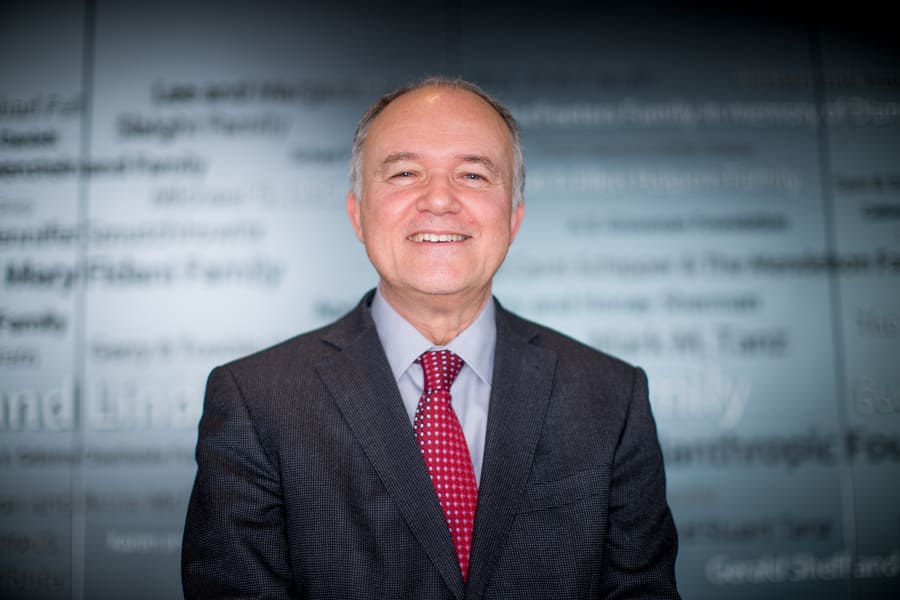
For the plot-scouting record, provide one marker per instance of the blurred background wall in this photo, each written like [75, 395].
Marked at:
[712, 194]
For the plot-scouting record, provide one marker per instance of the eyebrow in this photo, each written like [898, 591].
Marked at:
[398, 157]
[481, 160]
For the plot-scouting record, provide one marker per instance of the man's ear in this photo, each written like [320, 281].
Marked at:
[353, 211]
[516, 220]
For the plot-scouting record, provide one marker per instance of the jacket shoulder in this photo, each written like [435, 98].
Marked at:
[571, 353]
[306, 349]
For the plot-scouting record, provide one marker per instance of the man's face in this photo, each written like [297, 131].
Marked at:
[436, 211]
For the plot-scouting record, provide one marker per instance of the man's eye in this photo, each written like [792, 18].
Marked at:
[404, 174]
[473, 176]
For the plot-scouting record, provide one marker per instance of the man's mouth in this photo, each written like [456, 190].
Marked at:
[437, 237]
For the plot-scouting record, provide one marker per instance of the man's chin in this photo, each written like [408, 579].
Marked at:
[441, 289]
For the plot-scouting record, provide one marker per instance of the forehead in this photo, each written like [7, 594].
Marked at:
[438, 117]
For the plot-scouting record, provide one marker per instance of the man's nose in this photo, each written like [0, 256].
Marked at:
[439, 196]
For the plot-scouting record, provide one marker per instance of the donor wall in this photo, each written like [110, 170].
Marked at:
[711, 194]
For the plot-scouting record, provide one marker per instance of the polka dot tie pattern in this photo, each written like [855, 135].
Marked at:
[446, 453]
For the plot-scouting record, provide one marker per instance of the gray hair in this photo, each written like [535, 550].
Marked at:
[362, 129]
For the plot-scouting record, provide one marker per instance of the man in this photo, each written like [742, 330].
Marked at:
[354, 462]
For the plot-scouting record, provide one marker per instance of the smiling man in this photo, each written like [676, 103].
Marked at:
[430, 444]
[433, 204]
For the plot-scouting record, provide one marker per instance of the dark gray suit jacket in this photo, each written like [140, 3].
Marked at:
[310, 482]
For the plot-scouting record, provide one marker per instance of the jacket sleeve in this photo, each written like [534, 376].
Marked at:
[234, 543]
[641, 541]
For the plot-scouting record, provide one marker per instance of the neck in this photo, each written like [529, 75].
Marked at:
[440, 318]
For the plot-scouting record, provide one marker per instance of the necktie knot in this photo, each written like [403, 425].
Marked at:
[440, 368]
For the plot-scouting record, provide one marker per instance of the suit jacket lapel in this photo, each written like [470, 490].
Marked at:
[364, 389]
[522, 381]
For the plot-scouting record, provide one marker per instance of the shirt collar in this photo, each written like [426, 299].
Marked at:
[403, 343]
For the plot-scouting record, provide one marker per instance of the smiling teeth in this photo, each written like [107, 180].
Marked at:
[435, 237]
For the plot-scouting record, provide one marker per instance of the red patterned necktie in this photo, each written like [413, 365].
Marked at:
[444, 448]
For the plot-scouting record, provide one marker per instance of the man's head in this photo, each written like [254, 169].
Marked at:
[435, 168]
[362, 130]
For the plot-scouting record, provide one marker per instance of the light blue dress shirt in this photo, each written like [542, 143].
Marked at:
[471, 391]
